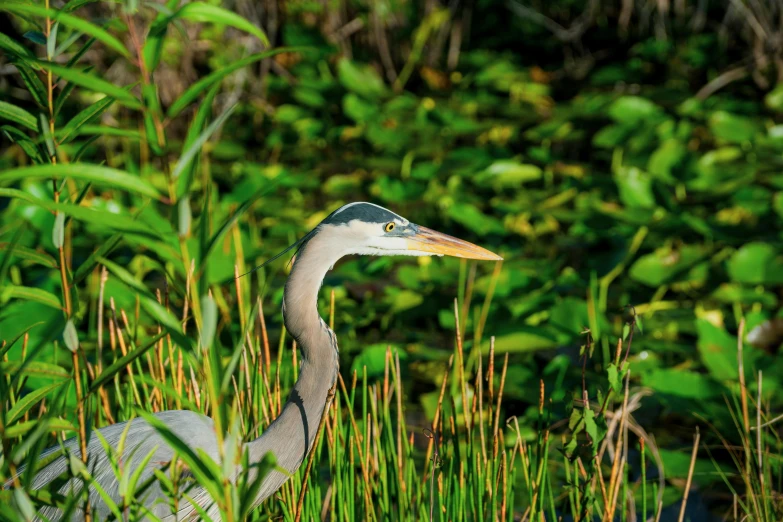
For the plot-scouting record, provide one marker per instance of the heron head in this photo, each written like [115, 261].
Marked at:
[367, 229]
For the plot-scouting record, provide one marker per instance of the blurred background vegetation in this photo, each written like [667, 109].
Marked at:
[624, 158]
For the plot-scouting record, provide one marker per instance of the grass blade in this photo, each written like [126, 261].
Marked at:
[84, 172]
[201, 12]
[88, 115]
[93, 83]
[195, 147]
[18, 115]
[34, 294]
[28, 401]
[68, 20]
[100, 218]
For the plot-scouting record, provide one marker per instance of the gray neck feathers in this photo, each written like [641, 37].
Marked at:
[290, 437]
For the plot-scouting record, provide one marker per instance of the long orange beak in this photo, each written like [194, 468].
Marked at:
[431, 241]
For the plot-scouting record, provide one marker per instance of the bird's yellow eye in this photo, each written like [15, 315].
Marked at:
[389, 226]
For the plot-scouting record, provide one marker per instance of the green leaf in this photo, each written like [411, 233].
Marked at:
[107, 246]
[732, 128]
[613, 376]
[524, 339]
[361, 79]
[373, 358]
[18, 115]
[209, 314]
[58, 231]
[473, 219]
[32, 294]
[30, 368]
[93, 83]
[194, 131]
[100, 218]
[718, 350]
[74, 22]
[635, 187]
[34, 85]
[201, 12]
[505, 174]
[70, 337]
[632, 110]
[87, 115]
[195, 146]
[665, 264]
[12, 46]
[97, 174]
[21, 428]
[682, 383]
[24, 404]
[25, 143]
[755, 263]
[192, 92]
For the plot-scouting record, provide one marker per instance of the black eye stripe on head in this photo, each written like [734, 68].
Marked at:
[365, 212]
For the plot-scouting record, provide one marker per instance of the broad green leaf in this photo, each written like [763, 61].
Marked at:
[523, 340]
[677, 464]
[373, 358]
[361, 79]
[732, 128]
[93, 83]
[18, 115]
[32, 294]
[100, 218]
[72, 21]
[682, 383]
[473, 219]
[663, 265]
[635, 187]
[718, 350]
[633, 110]
[755, 263]
[508, 174]
[192, 92]
[665, 161]
[97, 174]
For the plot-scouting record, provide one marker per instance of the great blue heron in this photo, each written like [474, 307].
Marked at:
[356, 228]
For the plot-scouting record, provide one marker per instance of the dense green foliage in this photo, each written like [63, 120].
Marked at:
[624, 165]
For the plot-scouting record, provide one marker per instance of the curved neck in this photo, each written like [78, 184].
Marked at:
[291, 435]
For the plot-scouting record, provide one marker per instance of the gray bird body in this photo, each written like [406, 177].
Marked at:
[357, 228]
